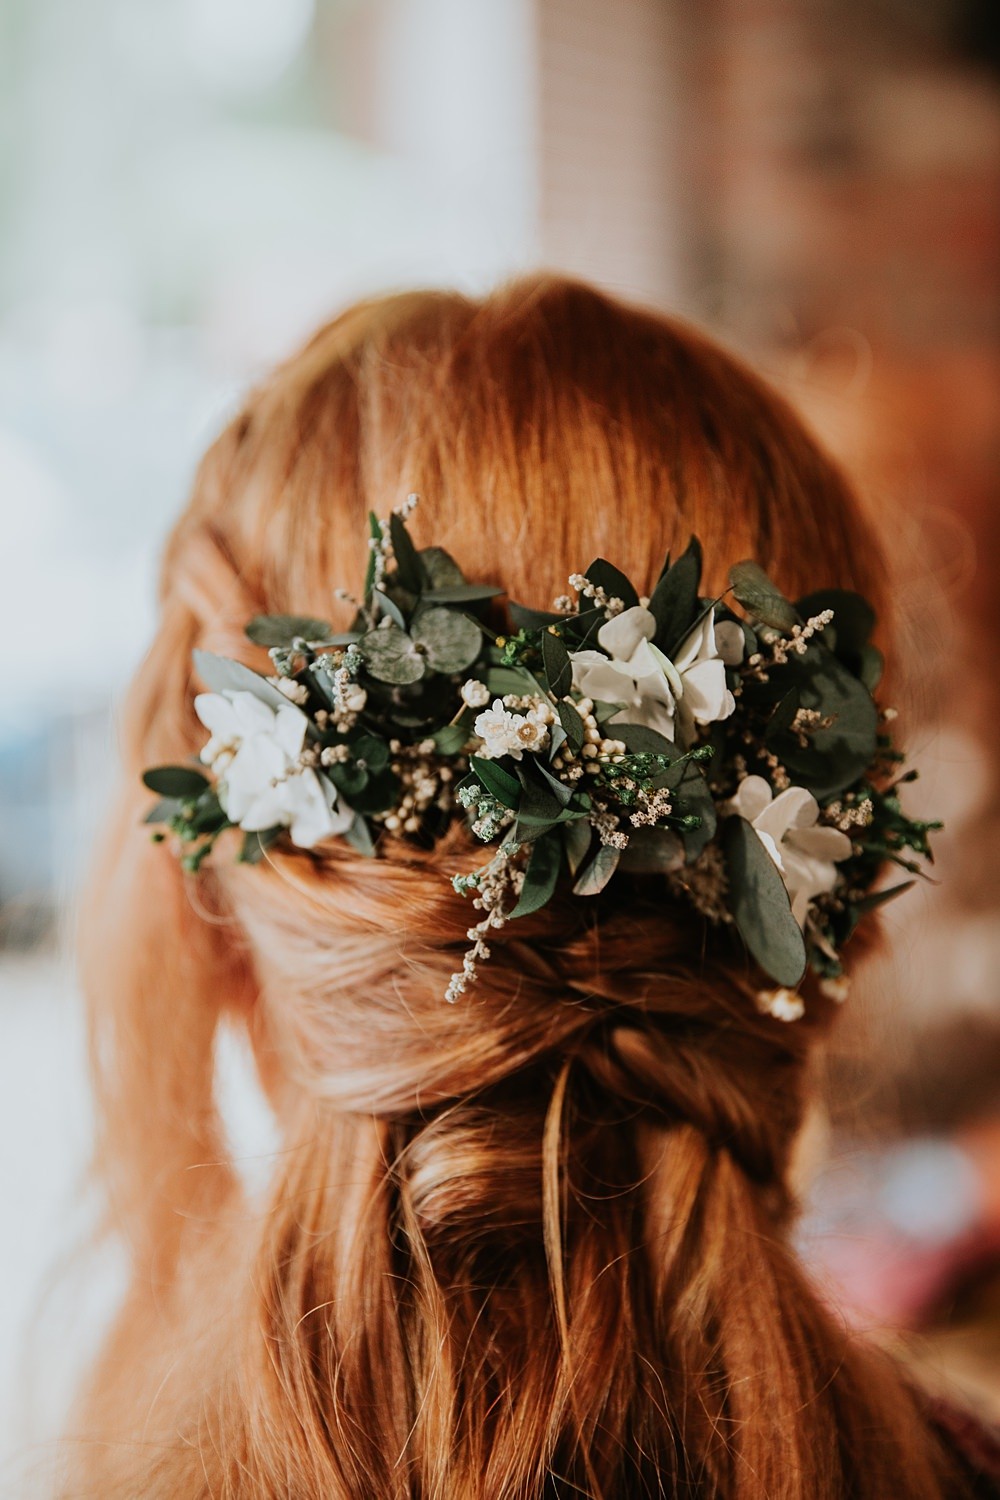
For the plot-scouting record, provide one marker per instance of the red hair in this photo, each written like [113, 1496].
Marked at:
[535, 1243]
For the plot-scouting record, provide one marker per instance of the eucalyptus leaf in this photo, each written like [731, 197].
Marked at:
[759, 596]
[524, 618]
[409, 569]
[283, 630]
[558, 667]
[450, 641]
[498, 782]
[163, 811]
[653, 851]
[451, 738]
[391, 656]
[600, 870]
[441, 568]
[760, 906]
[388, 607]
[358, 835]
[572, 724]
[373, 750]
[462, 593]
[176, 782]
[612, 580]
[504, 680]
[674, 601]
[348, 777]
[834, 756]
[639, 739]
[541, 876]
[576, 838]
[222, 675]
[853, 619]
[871, 667]
[256, 843]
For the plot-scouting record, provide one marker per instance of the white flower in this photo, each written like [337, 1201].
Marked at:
[353, 698]
[507, 733]
[296, 692]
[805, 853]
[783, 1005]
[668, 696]
[475, 694]
[257, 749]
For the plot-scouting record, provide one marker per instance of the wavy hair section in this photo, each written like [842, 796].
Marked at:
[534, 1244]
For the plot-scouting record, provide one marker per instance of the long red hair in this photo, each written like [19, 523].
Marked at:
[534, 1243]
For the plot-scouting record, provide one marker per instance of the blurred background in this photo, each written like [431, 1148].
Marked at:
[188, 186]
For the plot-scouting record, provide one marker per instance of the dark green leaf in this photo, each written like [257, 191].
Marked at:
[348, 777]
[180, 782]
[597, 874]
[371, 749]
[559, 789]
[462, 593]
[541, 875]
[164, 810]
[606, 576]
[523, 618]
[879, 898]
[760, 906]
[576, 841]
[693, 798]
[653, 851]
[759, 597]
[498, 782]
[358, 835]
[870, 667]
[409, 569]
[390, 655]
[572, 724]
[784, 714]
[441, 568]
[834, 757]
[255, 844]
[451, 739]
[450, 641]
[558, 667]
[282, 630]
[222, 675]
[853, 619]
[388, 607]
[639, 739]
[375, 532]
[379, 793]
[674, 601]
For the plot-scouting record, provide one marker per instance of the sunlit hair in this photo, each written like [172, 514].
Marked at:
[533, 1244]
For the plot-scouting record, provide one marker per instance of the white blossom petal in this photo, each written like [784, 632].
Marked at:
[289, 727]
[752, 796]
[218, 715]
[821, 842]
[622, 635]
[706, 696]
[792, 808]
[253, 716]
[698, 646]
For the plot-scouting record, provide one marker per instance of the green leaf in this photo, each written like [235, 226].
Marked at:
[379, 793]
[255, 844]
[450, 641]
[164, 810]
[759, 596]
[388, 607]
[462, 593]
[541, 875]
[576, 841]
[180, 782]
[358, 835]
[451, 739]
[760, 906]
[390, 655]
[871, 667]
[653, 851]
[283, 630]
[222, 675]
[558, 667]
[834, 757]
[523, 618]
[693, 798]
[639, 739]
[375, 532]
[853, 619]
[348, 777]
[600, 870]
[373, 750]
[572, 724]
[879, 898]
[674, 601]
[409, 570]
[504, 680]
[441, 568]
[612, 580]
[498, 782]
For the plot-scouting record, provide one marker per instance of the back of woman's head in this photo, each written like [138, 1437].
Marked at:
[532, 1243]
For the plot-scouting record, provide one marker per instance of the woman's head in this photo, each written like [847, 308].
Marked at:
[537, 1233]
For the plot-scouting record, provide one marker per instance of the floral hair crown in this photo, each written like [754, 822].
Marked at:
[740, 755]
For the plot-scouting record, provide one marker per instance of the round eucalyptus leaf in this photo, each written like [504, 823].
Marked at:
[760, 597]
[450, 641]
[391, 656]
[441, 568]
[760, 905]
[179, 782]
[283, 630]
